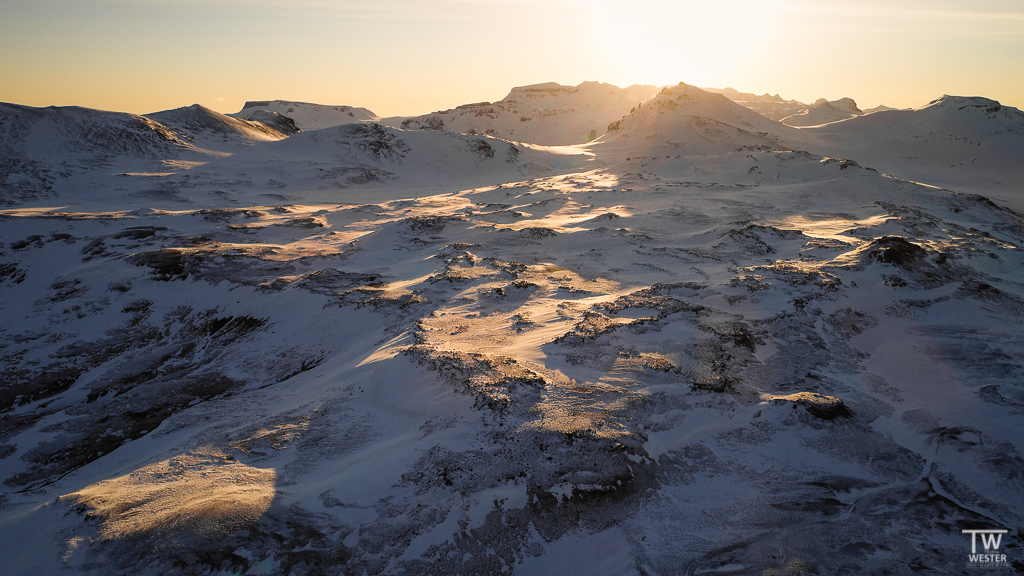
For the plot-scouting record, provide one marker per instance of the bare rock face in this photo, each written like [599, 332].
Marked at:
[279, 122]
[897, 251]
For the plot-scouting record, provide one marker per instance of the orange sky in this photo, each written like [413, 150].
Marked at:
[404, 57]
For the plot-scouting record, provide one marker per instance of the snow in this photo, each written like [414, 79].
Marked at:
[824, 113]
[966, 144]
[307, 116]
[703, 342]
[794, 113]
[206, 492]
[685, 119]
[548, 114]
[212, 130]
[580, 555]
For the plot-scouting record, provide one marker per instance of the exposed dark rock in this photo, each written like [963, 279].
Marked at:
[897, 251]
[824, 407]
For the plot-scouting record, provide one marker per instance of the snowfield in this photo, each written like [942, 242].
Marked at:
[703, 341]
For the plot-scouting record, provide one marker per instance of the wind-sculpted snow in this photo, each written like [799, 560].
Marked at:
[206, 492]
[73, 129]
[201, 158]
[45, 149]
[209, 129]
[51, 153]
[709, 356]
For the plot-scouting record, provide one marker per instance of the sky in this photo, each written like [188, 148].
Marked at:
[410, 57]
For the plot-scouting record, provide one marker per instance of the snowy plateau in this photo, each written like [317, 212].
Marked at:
[581, 330]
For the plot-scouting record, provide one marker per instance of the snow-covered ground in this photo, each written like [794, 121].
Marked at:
[703, 342]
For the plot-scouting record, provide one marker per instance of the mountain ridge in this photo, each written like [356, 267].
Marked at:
[546, 114]
[307, 115]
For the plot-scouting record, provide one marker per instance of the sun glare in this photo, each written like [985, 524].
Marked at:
[662, 42]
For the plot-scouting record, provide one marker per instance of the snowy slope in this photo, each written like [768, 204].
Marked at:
[970, 144]
[547, 114]
[64, 131]
[307, 116]
[686, 347]
[112, 161]
[368, 159]
[46, 150]
[209, 129]
[687, 120]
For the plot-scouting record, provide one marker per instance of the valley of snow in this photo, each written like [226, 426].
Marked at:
[301, 339]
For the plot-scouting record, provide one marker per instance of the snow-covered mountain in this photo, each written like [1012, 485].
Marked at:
[46, 150]
[212, 130]
[687, 120]
[325, 165]
[305, 115]
[771, 106]
[703, 343]
[964, 143]
[879, 108]
[547, 114]
[104, 136]
[195, 155]
[824, 112]
[847, 105]
[793, 112]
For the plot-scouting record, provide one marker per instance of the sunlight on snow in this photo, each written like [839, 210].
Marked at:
[206, 492]
[832, 228]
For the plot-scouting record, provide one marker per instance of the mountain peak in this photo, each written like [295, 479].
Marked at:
[212, 129]
[306, 115]
[846, 105]
[824, 112]
[683, 93]
[690, 120]
[961, 102]
[548, 114]
[542, 87]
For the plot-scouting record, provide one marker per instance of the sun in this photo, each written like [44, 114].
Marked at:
[665, 42]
